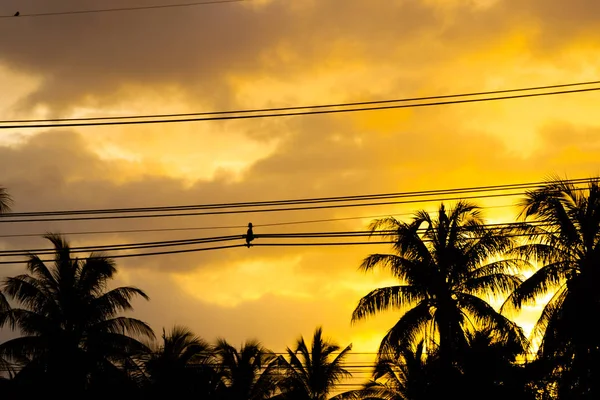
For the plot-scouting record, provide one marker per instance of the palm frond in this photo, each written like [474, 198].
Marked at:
[405, 235]
[407, 270]
[510, 266]
[544, 251]
[183, 344]
[488, 318]
[267, 381]
[494, 284]
[114, 302]
[391, 297]
[28, 291]
[65, 267]
[542, 329]
[314, 374]
[543, 280]
[124, 325]
[5, 200]
[30, 322]
[37, 268]
[110, 345]
[407, 329]
[385, 224]
[335, 370]
[483, 244]
[23, 348]
[4, 305]
[95, 271]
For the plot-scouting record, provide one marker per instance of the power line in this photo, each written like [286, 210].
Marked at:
[184, 242]
[127, 231]
[156, 253]
[288, 114]
[253, 211]
[194, 250]
[265, 203]
[334, 105]
[223, 227]
[9, 217]
[118, 9]
[126, 246]
[195, 241]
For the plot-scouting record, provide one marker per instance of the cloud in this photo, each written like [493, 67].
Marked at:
[269, 54]
[195, 49]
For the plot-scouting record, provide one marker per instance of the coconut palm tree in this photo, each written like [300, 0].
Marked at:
[72, 336]
[495, 366]
[183, 365]
[443, 264]
[312, 373]
[249, 373]
[411, 374]
[563, 227]
[5, 200]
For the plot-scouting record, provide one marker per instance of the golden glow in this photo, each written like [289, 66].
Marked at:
[228, 285]
[277, 54]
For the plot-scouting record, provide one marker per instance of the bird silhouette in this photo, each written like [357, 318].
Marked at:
[249, 235]
[17, 14]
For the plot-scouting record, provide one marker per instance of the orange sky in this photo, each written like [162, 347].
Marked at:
[277, 53]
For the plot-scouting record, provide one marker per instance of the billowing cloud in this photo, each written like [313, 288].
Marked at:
[270, 54]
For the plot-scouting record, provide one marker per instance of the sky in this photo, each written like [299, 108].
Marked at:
[279, 53]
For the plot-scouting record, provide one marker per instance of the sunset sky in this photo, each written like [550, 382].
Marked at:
[278, 53]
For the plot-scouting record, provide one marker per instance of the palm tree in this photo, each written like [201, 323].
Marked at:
[5, 203]
[248, 374]
[5, 200]
[441, 265]
[313, 373]
[412, 374]
[495, 366]
[72, 337]
[182, 366]
[564, 240]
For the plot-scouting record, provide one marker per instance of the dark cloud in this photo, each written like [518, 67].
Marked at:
[91, 58]
[98, 60]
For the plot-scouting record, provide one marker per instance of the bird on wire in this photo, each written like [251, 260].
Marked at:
[249, 235]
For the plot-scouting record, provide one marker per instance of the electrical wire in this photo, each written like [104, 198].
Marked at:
[119, 9]
[156, 253]
[9, 217]
[252, 211]
[317, 106]
[291, 114]
[229, 227]
[368, 197]
[127, 246]
[360, 197]
[186, 242]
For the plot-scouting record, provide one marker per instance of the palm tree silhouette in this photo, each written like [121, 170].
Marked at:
[5, 200]
[249, 373]
[411, 374]
[5, 203]
[442, 269]
[182, 365]
[312, 373]
[494, 365]
[72, 336]
[565, 241]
